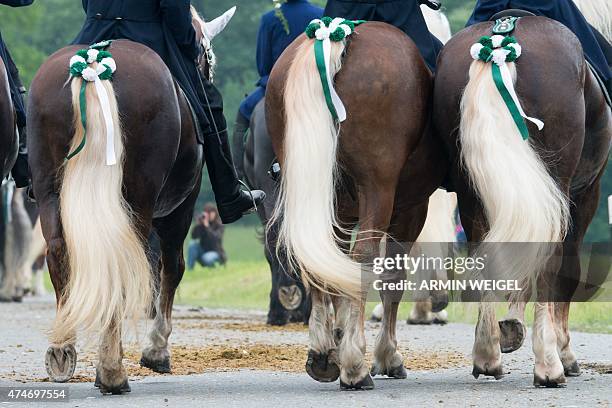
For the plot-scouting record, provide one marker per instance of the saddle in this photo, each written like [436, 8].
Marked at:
[510, 14]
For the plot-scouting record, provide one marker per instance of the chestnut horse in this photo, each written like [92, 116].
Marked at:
[511, 190]
[378, 170]
[96, 218]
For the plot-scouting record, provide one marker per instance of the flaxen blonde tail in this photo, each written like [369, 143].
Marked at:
[109, 275]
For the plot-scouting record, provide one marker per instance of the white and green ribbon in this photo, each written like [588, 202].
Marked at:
[324, 31]
[499, 50]
[106, 67]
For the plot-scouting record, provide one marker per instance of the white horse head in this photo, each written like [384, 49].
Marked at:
[209, 30]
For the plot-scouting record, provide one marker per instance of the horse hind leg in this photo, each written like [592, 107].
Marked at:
[387, 360]
[569, 274]
[111, 377]
[512, 327]
[172, 231]
[61, 357]
[375, 211]
[405, 227]
[322, 362]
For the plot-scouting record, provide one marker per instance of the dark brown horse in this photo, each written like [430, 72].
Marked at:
[378, 170]
[96, 218]
[8, 125]
[511, 190]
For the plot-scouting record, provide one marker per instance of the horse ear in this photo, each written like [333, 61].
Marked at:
[214, 27]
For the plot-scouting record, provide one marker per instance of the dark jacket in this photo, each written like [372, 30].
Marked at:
[272, 39]
[403, 14]
[563, 11]
[211, 238]
[164, 26]
[11, 68]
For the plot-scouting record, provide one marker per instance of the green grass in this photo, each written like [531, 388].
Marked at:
[244, 283]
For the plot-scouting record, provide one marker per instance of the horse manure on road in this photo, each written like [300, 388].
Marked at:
[600, 368]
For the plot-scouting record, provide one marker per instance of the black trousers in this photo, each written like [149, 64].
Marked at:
[218, 156]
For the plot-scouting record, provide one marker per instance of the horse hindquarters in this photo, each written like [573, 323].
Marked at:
[373, 148]
[109, 278]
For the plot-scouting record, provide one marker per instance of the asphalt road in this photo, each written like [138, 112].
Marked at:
[23, 343]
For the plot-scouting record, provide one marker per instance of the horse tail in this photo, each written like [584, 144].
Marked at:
[306, 203]
[522, 201]
[109, 275]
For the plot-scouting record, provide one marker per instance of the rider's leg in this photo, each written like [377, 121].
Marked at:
[20, 171]
[606, 47]
[241, 126]
[232, 202]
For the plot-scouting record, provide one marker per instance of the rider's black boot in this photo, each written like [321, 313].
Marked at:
[432, 4]
[20, 170]
[232, 202]
[241, 126]
[609, 88]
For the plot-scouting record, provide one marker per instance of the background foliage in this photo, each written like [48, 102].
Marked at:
[34, 32]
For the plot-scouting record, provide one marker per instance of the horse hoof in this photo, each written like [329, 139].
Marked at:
[422, 322]
[495, 372]
[161, 366]
[321, 368]
[296, 316]
[398, 372]
[573, 370]
[513, 334]
[60, 363]
[290, 297]
[439, 303]
[277, 319]
[366, 383]
[123, 388]
[539, 381]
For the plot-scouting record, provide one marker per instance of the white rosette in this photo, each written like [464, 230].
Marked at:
[475, 50]
[92, 55]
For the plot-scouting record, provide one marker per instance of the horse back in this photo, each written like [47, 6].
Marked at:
[550, 84]
[150, 112]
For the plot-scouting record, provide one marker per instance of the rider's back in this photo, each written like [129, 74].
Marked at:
[162, 25]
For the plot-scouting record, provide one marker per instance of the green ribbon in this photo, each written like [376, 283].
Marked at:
[320, 58]
[505, 94]
[83, 106]
[100, 46]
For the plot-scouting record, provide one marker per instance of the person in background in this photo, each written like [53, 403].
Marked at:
[277, 29]
[206, 246]
[595, 46]
[20, 170]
